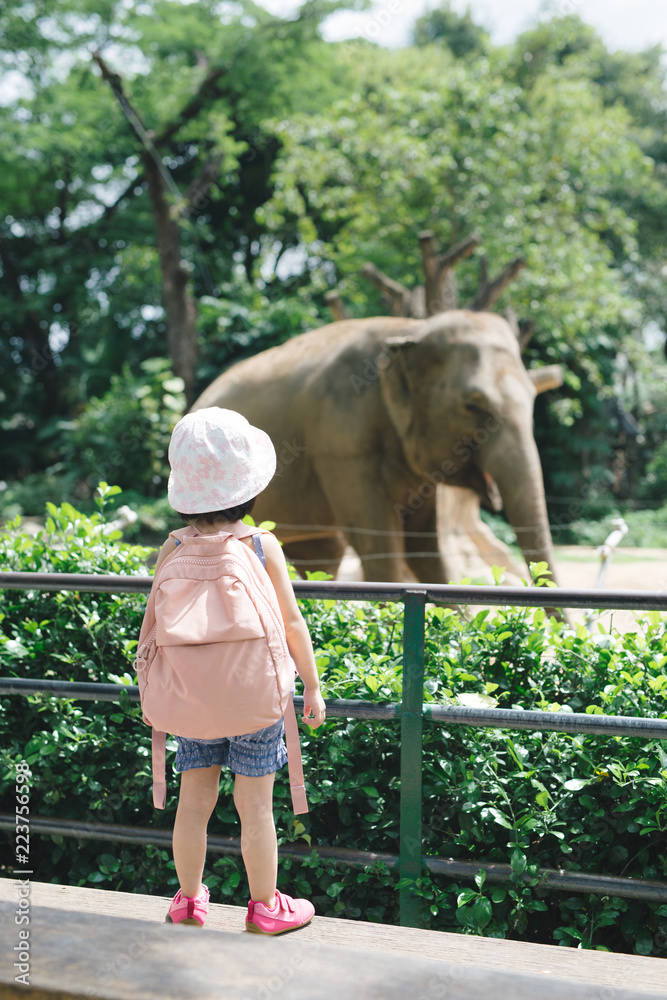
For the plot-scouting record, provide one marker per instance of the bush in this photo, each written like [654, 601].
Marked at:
[245, 321]
[30, 495]
[656, 472]
[124, 435]
[533, 800]
[646, 529]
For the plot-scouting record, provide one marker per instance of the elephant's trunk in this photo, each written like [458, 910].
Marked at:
[518, 475]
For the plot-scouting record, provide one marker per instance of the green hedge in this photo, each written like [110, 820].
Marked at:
[534, 800]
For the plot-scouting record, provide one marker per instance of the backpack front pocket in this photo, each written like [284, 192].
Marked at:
[190, 613]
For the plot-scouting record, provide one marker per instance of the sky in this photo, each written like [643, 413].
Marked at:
[623, 24]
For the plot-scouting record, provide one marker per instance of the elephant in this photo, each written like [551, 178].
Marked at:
[370, 416]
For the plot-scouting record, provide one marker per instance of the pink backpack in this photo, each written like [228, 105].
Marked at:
[212, 658]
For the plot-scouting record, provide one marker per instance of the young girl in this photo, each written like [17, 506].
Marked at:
[219, 464]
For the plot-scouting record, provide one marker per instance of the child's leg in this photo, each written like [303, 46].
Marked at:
[253, 798]
[196, 802]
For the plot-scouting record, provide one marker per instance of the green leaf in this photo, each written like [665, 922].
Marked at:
[465, 896]
[518, 861]
[482, 912]
[576, 784]
[173, 384]
[110, 862]
[501, 818]
[644, 943]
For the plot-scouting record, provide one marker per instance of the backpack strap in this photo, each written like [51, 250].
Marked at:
[259, 549]
[159, 748]
[294, 760]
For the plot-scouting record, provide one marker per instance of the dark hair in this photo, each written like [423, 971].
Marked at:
[231, 514]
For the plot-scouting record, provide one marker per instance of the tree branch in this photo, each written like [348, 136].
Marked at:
[526, 331]
[195, 196]
[189, 111]
[396, 295]
[145, 137]
[207, 88]
[549, 377]
[110, 209]
[483, 270]
[334, 301]
[490, 291]
[513, 320]
[457, 252]
[178, 302]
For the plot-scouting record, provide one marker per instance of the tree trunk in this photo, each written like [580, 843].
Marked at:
[440, 280]
[178, 302]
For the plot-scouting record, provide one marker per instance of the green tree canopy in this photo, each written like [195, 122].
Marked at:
[560, 162]
[286, 163]
[458, 32]
[81, 294]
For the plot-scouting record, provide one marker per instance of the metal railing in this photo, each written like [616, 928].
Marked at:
[411, 710]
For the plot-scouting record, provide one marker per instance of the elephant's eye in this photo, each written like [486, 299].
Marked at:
[476, 411]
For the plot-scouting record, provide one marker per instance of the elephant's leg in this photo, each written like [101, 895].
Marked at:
[381, 555]
[322, 554]
[422, 551]
[365, 512]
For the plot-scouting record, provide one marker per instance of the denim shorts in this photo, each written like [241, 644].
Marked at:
[253, 754]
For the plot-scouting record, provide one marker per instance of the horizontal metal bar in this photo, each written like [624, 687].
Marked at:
[79, 690]
[551, 878]
[462, 715]
[557, 722]
[539, 597]
[556, 878]
[110, 584]
[94, 691]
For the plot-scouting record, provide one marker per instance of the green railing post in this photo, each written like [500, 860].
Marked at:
[411, 751]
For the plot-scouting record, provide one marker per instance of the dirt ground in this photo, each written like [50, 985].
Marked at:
[628, 569]
[579, 566]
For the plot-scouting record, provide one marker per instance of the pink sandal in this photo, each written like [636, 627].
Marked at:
[188, 909]
[287, 914]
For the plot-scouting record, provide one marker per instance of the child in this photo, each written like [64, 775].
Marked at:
[219, 463]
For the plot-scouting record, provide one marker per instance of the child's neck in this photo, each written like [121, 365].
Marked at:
[211, 529]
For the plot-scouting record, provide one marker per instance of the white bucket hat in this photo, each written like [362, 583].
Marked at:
[218, 460]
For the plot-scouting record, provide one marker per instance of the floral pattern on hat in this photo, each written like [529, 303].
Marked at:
[218, 460]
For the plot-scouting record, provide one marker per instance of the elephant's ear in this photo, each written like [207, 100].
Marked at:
[397, 382]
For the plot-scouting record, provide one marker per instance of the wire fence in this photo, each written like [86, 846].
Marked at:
[411, 711]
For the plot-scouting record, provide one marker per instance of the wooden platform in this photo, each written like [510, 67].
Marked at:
[116, 946]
